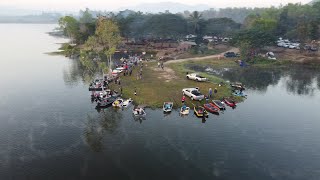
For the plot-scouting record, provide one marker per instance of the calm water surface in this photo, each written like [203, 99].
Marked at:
[50, 130]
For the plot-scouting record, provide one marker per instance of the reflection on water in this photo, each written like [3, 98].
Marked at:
[50, 130]
[300, 80]
[107, 120]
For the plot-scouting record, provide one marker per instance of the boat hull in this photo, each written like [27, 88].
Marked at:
[211, 108]
[167, 107]
[200, 112]
[185, 112]
[219, 104]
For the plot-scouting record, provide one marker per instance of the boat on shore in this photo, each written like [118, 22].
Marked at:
[219, 104]
[105, 102]
[210, 107]
[118, 102]
[139, 112]
[127, 102]
[199, 111]
[229, 102]
[239, 93]
[238, 86]
[167, 107]
[184, 110]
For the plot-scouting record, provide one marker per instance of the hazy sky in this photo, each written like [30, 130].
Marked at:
[116, 4]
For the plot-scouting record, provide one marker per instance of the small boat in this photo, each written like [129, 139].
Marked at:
[239, 93]
[127, 102]
[199, 111]
[120, 68]
[210, 107]
[116, 71]
[105, 102]
[167, 106]
[118, 102]
[96, 85]
[219, 104]
[229, 102]
[184, 110]
[139, 112]
[237, 85]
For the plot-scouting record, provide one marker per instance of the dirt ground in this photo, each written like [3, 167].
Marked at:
[301, 56]
[168, 74]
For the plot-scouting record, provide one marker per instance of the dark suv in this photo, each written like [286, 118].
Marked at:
[230, 54]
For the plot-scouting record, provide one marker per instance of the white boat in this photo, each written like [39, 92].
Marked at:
[118, 102]
[184, 111]
[167, 106]
[139, 112]
[120, 68]
[116, 71]
[127, 102]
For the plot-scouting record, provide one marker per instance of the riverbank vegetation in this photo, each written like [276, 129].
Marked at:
[157, 86]
[183, 35]
[98, 41]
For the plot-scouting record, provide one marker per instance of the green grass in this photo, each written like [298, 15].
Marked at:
[152, 91]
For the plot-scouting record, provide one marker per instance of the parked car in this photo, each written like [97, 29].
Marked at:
[285, 45]
[196, 77]
[280, 44]
[271, 56]
[230, 54]
[193, 93]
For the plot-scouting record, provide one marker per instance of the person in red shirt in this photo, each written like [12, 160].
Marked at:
[183, 99]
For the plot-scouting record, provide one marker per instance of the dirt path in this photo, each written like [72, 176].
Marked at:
[202, 58]
[168, 74]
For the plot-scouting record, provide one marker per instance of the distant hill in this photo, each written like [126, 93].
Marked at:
[164, 6]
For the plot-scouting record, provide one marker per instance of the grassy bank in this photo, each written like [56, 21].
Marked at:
[158, 86]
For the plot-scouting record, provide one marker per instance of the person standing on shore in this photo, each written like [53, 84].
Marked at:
[135, 91]
[207, 99]
[215, 91]
[210, 92]
[183, 99]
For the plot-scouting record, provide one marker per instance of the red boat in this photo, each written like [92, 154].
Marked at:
[230, 102]
[210, 107]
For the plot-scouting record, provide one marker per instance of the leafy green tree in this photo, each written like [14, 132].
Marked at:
[166, 25]
[86, 17]
[221, 26]
[106, 39]
[195, 19]
[70, 27]
[252, 40]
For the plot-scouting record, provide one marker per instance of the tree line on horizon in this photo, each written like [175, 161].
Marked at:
[259, 28]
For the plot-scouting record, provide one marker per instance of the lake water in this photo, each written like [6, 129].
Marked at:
[50, 130]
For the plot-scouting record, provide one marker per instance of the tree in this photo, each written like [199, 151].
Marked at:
[85, 17]
[166, 25]
[87, 25]
[221, 26]
[195, 19]
[106, 39]
[251, 40]
[70, 27]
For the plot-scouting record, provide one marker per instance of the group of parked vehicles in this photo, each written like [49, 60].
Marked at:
[287, 44]
[105, 97]
[294, 45]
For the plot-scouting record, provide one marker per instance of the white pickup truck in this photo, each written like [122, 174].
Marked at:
[196, 77]
[193, 93]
